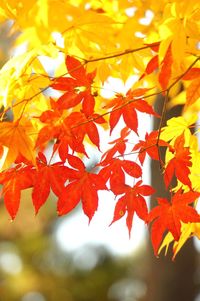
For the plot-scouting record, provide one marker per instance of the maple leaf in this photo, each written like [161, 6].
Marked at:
[85, 125]
[17, 136]
[193, 73]
[149, 146]
[133, 202]
[99, 36]
[179, 165]
[115, 172]
[127, 106]
[46, 177]
[79, 80]
[14, 180]
[79, 76]
[69, 131]
[152, 65]
[60, 128]
[166, 66]
[53, 123]
[187, 231]
[119, 145]
[169, 215]
[176, 126]
[193, 92]
[83, 186]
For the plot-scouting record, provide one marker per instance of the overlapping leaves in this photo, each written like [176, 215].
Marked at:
[72, 120]
[167, 216]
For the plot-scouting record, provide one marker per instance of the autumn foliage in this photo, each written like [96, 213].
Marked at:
[54, 109]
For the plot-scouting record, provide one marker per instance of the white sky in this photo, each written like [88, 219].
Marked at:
[74, 231]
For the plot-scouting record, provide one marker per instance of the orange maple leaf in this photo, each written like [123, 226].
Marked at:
[193, 92]
[18, 137]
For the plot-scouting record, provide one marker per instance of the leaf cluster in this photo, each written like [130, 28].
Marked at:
[57, 111]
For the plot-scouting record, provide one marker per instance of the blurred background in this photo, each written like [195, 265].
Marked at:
[46, 258]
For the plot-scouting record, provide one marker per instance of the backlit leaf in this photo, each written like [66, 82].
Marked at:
[167, 216]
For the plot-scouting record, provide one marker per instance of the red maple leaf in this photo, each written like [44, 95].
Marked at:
[48, 176]
[84, 186]
[83, 124]
[60, 128]
[149, 146]
[133, 202]
[77, 87]
[68, 131]
[166, 69]
[119, 145]
[167, 216]
[70, 137]
[14, 180]
[152, 65]
[179, 165]
[115, 170]
[53, 124]
[127, 106]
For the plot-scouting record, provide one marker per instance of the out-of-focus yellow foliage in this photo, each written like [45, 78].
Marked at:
[93, 29]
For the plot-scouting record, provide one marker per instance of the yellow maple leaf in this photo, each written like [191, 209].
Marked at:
[175, 28]
[187, 231]
[17, 73]
[176, 126]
